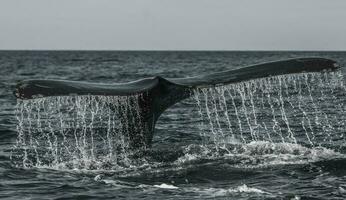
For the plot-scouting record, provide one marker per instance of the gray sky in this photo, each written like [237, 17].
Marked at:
[173, 24]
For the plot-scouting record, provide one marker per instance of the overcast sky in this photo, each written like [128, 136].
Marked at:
[173, 24]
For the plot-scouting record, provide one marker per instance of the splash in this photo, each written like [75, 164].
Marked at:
[275, 120]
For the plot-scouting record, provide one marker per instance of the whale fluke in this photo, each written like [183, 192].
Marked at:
[157, 93]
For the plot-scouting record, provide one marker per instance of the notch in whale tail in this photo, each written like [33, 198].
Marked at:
[157, 93]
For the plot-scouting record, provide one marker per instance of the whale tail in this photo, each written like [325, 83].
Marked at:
[157, 93]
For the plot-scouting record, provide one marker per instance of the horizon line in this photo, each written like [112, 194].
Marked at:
[179, 50]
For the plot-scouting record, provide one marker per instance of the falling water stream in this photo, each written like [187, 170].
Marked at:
[81, 131]
[279, 137]
[275, 115]
[278, 109]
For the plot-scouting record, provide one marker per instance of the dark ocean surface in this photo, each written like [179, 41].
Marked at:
[184, 163]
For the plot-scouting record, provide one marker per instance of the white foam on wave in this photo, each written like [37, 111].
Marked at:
[166, 186]
[246, 189]
[221, 192]
[121, 184]
[269, 153]
[209, 192]
[260, 154]
[116, 184]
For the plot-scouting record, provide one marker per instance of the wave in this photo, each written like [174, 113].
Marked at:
[259, 154]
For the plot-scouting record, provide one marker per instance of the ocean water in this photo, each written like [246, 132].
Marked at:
[277, 138]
